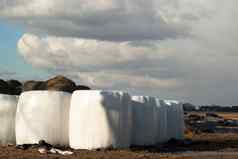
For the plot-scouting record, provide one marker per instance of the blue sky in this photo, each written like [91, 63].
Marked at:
[10, 60]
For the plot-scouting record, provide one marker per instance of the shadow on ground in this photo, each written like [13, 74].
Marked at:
[206, 143]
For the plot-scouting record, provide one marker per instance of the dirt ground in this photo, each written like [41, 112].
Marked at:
[202, 146]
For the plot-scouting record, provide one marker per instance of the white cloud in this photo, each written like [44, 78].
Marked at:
[78, 52]
[95, 62]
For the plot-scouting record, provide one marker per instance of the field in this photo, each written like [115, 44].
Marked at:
[225, 115]
[233, 116]
[195, 146]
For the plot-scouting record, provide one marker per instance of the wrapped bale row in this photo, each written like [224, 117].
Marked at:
[145, 119]
[100, 119]
[156, 121]
[90, 119]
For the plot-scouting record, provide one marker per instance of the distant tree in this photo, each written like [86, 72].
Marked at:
[189, 107]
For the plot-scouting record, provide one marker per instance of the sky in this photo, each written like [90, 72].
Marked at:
[173, 49]
[12, 64]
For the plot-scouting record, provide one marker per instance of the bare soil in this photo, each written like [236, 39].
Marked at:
[201, 146]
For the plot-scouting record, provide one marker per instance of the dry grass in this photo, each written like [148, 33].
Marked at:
[225, 115]
[233, 116]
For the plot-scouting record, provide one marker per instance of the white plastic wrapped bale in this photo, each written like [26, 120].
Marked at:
[43, 115]
[144, 129]
[175, 119]
[100, 119]
[8, 106]
[161, 122]
[181, 128]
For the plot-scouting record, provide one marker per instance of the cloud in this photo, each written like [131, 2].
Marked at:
[178, 49]
[95, 62]
[4, 74]
[110, 20]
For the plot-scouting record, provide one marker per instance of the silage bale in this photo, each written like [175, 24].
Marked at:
[181, 127]
[144, 121]
[43, 115]
[161, 122]
[100, 119]
[8, 106]
[175, 119]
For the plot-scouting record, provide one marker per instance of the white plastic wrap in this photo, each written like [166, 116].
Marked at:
[145, 119]
[181, 128]
[100, 119]
[161, 122]
[8, 106]
[175, 119]
[43, 115]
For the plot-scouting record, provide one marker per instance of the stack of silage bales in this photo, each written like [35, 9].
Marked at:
[91, 119]
[181, 126]
[43, 115]
[145, 120]
[8, 106]
[161, 110]
[175, 119]
[100, 119]
[156, 121]
[96, 119]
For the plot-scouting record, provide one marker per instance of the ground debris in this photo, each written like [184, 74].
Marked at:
[44, 148]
